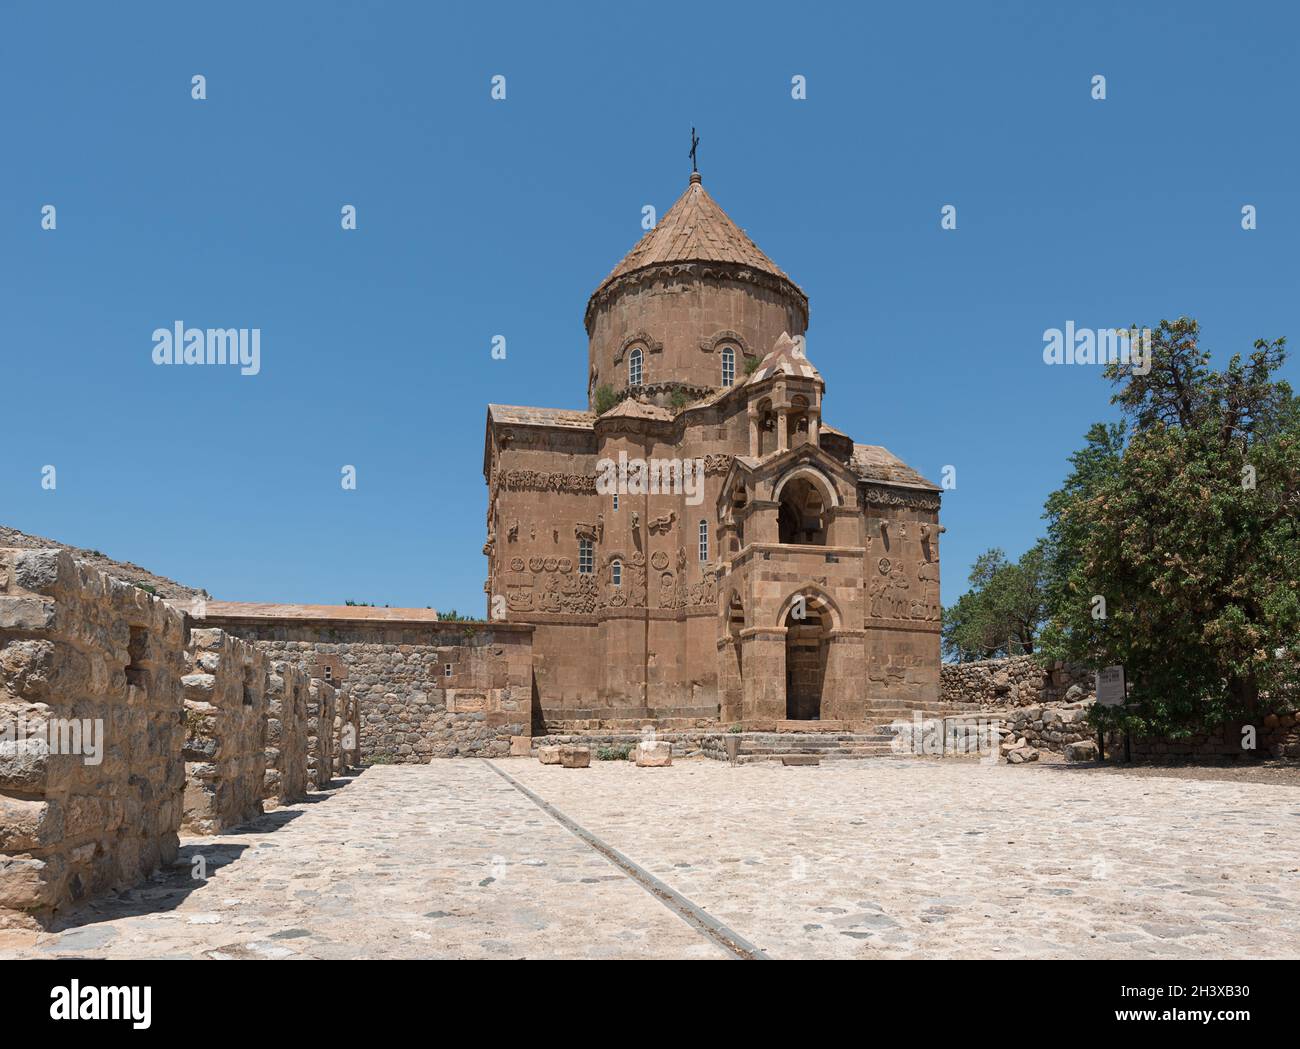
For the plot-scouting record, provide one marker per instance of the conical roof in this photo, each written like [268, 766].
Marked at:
[785, 358]
[695, 229]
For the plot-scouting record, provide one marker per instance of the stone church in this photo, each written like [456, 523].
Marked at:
[797, 580]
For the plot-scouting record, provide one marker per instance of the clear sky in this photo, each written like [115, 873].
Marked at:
[479, 218]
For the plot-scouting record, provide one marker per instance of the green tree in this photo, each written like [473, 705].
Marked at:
[1002, 612]
[1178, 553]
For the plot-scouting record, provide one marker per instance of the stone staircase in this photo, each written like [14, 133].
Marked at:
[828, 746]
[875, 737]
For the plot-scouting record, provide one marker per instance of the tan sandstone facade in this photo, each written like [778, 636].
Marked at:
[797, 581]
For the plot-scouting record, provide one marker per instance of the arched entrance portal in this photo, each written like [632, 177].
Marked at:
[807, 641]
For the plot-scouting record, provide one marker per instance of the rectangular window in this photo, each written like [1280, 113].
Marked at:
[616, 502]
[446, 670]
[329, 673]
[586, 556]
[704, 540]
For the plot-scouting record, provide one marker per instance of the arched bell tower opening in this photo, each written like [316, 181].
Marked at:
[801, 517]
[807, 645]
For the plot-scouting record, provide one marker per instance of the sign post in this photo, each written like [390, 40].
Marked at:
[1111, 692]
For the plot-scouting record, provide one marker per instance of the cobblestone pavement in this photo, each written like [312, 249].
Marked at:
[406, 861]
[935, 859]
[883, 858]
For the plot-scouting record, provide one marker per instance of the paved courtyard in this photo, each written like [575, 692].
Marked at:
[889, 858]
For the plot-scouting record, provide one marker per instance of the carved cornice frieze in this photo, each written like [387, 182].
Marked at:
[537, 481]
[913, 500]
[697, 271]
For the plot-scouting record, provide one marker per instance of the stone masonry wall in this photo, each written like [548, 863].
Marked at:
[285, 778]
[1276, 736]
[1048, 708]
[225, 708]
[1020, 681]
[347, 731]
[420, 691]
[81, 650]
[320, 734]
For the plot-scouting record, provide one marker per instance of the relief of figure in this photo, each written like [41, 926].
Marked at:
[550, 599]
[666, 590]
[512, 534]
[600, 528]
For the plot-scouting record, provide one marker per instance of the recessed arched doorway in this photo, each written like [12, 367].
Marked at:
[807, 644]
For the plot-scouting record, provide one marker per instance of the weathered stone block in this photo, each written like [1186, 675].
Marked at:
[654, 753]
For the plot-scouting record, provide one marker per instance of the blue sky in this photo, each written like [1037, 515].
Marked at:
[478, 218]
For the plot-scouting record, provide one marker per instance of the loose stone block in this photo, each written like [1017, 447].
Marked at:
[548, 755]
[801, 759]
[654, 753]
[521, 746]
[575, 757]
[1083, 750]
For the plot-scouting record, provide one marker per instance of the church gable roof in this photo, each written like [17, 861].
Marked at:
[695, 229]
[518, 415]
[631, 408]
[873, 462]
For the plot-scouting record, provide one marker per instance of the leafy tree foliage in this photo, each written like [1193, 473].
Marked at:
[1175, 543]
[1002, 612]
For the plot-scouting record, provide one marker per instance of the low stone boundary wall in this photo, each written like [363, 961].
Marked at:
[1276, 736]
[91, 773]
[1052, 727]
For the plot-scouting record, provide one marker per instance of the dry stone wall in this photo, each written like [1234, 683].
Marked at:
[91, 773]
[1020, 681]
